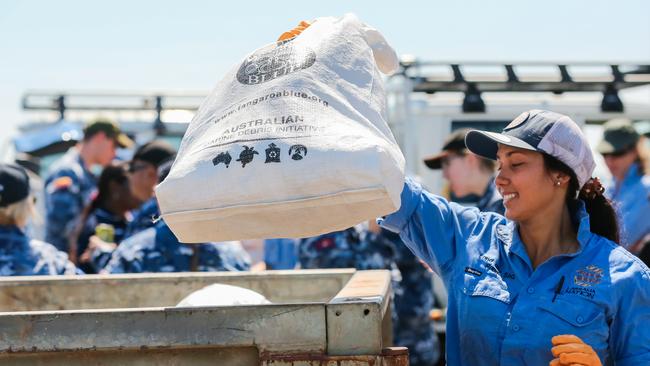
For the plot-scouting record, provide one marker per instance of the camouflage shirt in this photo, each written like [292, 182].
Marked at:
[69, 188]
[20, 256]
[157, 250]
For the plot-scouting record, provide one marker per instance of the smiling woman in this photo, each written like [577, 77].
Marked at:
[547, 283]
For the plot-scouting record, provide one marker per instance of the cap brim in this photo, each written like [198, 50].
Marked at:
[486, 143]
[435, 162]
[605, 147]
[123, 140]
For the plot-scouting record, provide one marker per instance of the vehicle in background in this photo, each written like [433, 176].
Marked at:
[60, 117]
[428, 100]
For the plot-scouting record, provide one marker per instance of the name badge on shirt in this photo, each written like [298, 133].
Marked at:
[473, 271]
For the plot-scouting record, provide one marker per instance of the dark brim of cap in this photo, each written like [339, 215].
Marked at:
[486, 143]
[435, 161]
[123, 140]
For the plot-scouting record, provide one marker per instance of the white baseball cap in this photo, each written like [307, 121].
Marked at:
[548, 132]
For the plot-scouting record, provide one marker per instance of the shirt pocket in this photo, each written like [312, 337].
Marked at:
[581, 318]
[485, 285]
[577, 315]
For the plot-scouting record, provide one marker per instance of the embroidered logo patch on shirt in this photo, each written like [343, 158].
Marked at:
[588, 276]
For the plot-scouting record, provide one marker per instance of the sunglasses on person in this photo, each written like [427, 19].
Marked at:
[134, 167]
[451, 155]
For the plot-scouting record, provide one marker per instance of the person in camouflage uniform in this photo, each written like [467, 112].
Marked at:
[363, 248]
[20, 256]
[157, 250]
[143, 218]
[111, 207]
[414, 328]
[70, 185]
[149, 166]
[350, 248]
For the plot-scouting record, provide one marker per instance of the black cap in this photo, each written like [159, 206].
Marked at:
[454, 142]
[14, 184]
[155, 152]
[164, 169]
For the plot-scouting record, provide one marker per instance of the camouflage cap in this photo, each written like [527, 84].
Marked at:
[619, 136]
[454, 142]
[111, 129]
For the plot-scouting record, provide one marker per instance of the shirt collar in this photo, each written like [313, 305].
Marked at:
[80, 161]
[509, 235]
[11, 229]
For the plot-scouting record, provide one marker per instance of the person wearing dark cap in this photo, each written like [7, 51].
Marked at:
[70, 184]
[20, 255]
[627, 157]
[144, 174]
[467, 174]
[546, 284]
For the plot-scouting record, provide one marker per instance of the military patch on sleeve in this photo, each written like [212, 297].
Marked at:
[60, 183]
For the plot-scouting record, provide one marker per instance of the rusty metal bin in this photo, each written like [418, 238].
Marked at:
[318, 317]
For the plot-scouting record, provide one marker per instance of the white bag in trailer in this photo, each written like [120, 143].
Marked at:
[293, 142]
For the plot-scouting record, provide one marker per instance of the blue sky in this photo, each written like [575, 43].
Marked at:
[187, 45]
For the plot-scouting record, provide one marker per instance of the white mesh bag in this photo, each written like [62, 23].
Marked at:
[292, 142]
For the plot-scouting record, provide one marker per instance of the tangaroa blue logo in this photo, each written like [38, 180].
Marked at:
[274, 61]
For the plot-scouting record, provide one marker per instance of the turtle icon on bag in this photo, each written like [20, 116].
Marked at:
[299, 152]
[224, 158]
[247, 155]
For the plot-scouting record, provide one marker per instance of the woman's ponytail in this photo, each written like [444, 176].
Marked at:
[602, 216]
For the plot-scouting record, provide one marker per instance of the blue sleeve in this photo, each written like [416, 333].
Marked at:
[434, 229]
[630, 340]
[63, 213]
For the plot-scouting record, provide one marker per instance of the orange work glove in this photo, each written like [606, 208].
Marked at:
[294, 32]
[571, 350]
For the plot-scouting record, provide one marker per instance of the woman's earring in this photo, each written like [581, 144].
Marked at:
[558, 183]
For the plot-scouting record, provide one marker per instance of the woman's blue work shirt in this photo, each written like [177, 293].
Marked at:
[502, 311]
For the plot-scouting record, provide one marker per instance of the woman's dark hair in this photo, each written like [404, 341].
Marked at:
[115, 172]
[602, 217]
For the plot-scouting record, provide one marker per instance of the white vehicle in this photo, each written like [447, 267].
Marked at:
[429, 100]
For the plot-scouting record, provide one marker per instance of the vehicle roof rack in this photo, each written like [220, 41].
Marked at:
[606, 78]
[63, 102]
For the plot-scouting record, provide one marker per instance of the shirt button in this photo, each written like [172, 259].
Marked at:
[515, 328]
[530, 290]
[580, 319]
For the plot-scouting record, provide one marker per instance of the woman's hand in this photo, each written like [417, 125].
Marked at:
[294, 32]
[571, 350]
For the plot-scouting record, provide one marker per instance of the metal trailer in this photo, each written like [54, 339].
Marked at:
[317, 317]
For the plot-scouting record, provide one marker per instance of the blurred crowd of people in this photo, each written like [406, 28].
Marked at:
[111, 223]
